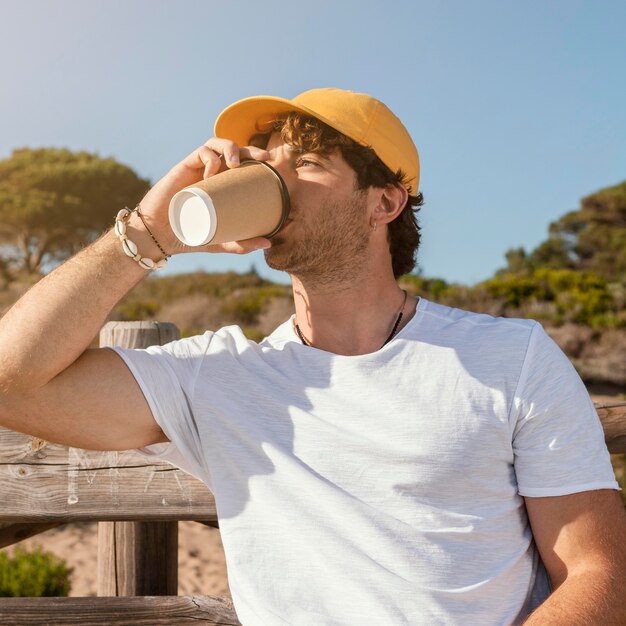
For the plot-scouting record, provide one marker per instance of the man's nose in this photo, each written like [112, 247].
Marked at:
[279, 162]
[285, 168]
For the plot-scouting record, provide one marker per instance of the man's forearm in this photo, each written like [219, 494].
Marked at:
[56, 320]
[586, 599]
[52, 325]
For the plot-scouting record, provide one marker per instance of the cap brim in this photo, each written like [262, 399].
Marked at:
[250, 116]
[245, 118]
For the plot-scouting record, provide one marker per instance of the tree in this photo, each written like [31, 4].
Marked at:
[596, 234]
[592, 239]
[54, 201]
[516, 261]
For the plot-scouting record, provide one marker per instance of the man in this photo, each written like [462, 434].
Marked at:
[376, 460]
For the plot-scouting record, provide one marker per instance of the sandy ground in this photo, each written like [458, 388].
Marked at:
[201, 563]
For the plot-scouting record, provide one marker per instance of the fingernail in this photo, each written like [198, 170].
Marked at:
[234, 158]
[265, 245]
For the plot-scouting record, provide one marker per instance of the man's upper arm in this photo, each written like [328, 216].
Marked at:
[578, 532]
[95, 403]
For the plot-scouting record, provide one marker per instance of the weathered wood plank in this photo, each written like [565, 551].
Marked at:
[138, 334]
[13, 533]
[613, 418]
[138, 611]
[137, 558]
[54, 483]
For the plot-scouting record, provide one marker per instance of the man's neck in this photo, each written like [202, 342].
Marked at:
[350, 318]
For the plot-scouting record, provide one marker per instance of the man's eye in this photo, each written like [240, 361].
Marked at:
[304, 162]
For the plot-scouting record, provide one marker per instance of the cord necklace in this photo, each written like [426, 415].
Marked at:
[305, 341]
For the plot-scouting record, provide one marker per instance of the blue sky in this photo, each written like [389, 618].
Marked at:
[517, 109]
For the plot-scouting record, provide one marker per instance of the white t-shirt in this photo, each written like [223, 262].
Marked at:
[383, 488]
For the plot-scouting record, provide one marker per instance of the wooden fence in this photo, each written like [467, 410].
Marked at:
[137, 504]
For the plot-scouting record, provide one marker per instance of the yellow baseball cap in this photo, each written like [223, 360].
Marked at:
[362, 118]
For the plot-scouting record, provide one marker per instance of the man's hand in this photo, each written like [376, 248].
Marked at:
[50, 384]
[213, 157]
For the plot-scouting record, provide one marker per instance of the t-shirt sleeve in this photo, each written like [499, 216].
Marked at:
[558, 440]
[167, 377]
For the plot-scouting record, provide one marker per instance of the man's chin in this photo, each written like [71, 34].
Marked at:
[279, 257]
[274, 258]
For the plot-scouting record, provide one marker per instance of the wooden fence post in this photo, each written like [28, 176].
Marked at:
[137, 558]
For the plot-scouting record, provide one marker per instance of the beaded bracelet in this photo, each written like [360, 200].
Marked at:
[138, 210]
[130, 247]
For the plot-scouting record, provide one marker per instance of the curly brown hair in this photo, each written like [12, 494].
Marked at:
[312, 135]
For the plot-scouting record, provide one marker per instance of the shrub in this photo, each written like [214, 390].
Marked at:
[194, 312]
[515, 289]
[134, 309]
[33, 574]
[243, 307]
[428, 287]
[579, 297]
[168, 288]
[253, 333]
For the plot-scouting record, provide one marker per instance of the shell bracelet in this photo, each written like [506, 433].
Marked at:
[130, 247]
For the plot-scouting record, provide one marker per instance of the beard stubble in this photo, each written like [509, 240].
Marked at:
[331, 249]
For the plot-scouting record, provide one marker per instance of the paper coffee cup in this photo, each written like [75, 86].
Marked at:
[240, 203]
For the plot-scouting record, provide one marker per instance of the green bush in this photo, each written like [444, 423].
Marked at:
[243, 307]
[515, 290]
[169, 288]
[432, 288]
[253, 333]
[137, 310]
[33, 574]
[580, 297]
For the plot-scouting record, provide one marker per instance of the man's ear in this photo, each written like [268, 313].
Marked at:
[392, 200]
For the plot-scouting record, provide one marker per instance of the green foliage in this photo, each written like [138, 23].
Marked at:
[53, 201]
[243, 307]
[168, 288]
[241, 297]
[553, 296]
[33, 574]
[552, 254]
[191, 332]
[253, 333]
[134, 309]
[428, 287]
[591, 239]
[517, 262]
[581, 297]
[514, 290]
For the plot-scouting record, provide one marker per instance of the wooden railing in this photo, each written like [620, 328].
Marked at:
[137, 504]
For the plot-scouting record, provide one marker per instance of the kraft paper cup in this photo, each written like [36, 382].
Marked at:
[240, 203]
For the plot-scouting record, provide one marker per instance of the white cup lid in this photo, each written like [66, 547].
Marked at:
[192, 216]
